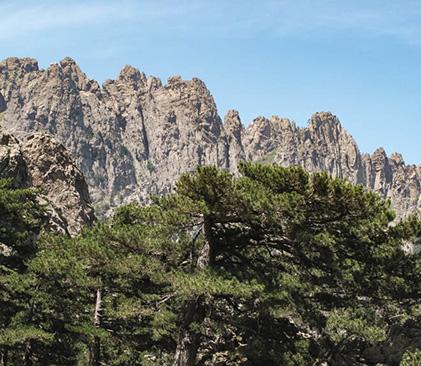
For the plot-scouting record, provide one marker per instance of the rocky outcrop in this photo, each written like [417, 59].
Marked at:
[42, 162]
[12, 163]
[401, 338]
[131, 138]
[234, 131]
[134, 136]
[325, 146]
[63, 185]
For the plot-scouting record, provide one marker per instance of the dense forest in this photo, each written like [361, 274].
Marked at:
[273, 267]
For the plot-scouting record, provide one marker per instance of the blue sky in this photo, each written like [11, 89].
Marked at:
[361, 60]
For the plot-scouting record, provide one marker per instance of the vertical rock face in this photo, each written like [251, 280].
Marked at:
[2, 104]
[234, 131]
[44, 163]
[12, 163]
[135, 136]
[131, 138]
[63, 184]
[325, 146]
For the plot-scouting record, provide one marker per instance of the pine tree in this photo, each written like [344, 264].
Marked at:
[272, 255]
[276, 266]
[20, 222]
[110, 289]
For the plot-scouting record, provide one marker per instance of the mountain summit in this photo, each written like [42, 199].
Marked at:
[134, 136]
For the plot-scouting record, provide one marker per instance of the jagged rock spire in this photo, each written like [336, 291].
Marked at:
[135, 136]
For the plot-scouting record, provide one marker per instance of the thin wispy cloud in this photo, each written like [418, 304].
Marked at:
[398, 19]
[19, 18]
[370, 18]
[224, 19]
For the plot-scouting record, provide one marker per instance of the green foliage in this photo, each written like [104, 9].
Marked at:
[411, 358]
[269, 158]
[102, 207]
[20, 215]
[2, 114]
[208, 284]
[45, 302]
[89, 134]
[363, 322]
[150, 166]
[303, 251]
[275, 267]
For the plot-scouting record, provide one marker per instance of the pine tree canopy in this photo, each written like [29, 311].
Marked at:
[20, 220]
[278, 252]
[273, 266]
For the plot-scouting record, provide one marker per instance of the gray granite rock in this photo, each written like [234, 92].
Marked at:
[325, 146]
[42, 162]
[134, 136]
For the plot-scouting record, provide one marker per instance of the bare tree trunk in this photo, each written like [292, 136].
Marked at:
[207, 254]
[5, 357]
[27, 358]
[95, 347]
[94, 352]
[189, 339]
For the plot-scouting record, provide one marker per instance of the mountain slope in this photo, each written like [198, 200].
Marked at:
[135, 136]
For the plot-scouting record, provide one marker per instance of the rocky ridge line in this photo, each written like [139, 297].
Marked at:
[135, 136]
